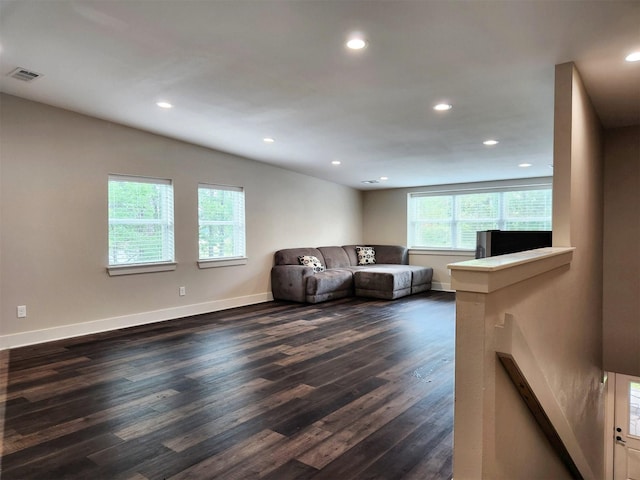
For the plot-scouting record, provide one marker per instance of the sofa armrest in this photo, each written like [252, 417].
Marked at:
[288, 282]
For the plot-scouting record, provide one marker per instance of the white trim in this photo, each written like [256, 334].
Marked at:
[487, 275]
[443, 252]
[441, 287]
[609, 423]
[114, 323]
[116, 270]
[116, 177]
[222, 262]
[217, 186]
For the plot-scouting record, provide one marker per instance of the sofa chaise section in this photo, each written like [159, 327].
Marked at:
[387, 283]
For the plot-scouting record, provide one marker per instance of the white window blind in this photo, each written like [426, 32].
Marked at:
[221, 222]
[451, 219]
[140, 220]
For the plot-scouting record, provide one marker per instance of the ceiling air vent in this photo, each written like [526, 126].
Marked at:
[370, 181]
[24, 74]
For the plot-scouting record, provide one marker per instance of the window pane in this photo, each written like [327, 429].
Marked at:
[478, 206]
[531, 225]
[216, 241]
[466, 233]
[434, 208]
[221, 222]
[140, 221]
[453, 220]
[216, 205]
[634, 409]
[527, 210]
[433, 234]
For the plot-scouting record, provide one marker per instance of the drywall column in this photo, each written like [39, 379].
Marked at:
[621, 302]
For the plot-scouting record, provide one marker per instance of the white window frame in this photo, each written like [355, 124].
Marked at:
[239, 228]
[167, 262]
[453, 221]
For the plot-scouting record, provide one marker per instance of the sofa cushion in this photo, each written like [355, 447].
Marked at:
[329, 281]
[383, 279]
[289, 256]
[393, 254]
[385, 254]
[420, 275]
[350, 250]
[387, 283]
[311, 261]
[366, 255]
[335, 257]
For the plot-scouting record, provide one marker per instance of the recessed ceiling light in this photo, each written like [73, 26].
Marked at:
[164, 105]
[356, 42]
[524, 165]
[268, 140]
[384, 178]
[443, 107]
[336, 162]
[633, 57]
[490, 143]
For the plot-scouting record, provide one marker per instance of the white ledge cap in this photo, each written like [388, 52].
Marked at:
[485, 275]
[500, 262]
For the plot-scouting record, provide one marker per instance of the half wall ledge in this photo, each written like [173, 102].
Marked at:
[486, 275]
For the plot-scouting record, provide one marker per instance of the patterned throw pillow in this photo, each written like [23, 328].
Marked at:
[311, 261]
[366, 255]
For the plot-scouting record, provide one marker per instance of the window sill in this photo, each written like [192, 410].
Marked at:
[222, 262]
[442, 251]
[116, 270]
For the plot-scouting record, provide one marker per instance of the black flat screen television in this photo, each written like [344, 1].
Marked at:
[500, 242]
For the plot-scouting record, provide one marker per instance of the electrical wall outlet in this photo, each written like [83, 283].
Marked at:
[22, 311]
[182, 291]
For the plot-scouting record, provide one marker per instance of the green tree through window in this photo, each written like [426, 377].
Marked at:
[140, 220]
[221, 222]
[451, 220]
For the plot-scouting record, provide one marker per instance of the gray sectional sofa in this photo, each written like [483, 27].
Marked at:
[340, 274]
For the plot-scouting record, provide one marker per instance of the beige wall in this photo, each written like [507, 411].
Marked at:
[439, 261]
[53, 212]
[622, 251]
[577, 376]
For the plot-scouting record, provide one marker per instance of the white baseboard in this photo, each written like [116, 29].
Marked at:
[441, 287]
[103, 325]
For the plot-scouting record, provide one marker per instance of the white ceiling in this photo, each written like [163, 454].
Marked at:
[237, 71]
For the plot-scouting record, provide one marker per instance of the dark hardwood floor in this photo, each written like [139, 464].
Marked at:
[350, 389]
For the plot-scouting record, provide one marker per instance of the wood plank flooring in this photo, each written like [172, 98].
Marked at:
[349, 389]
